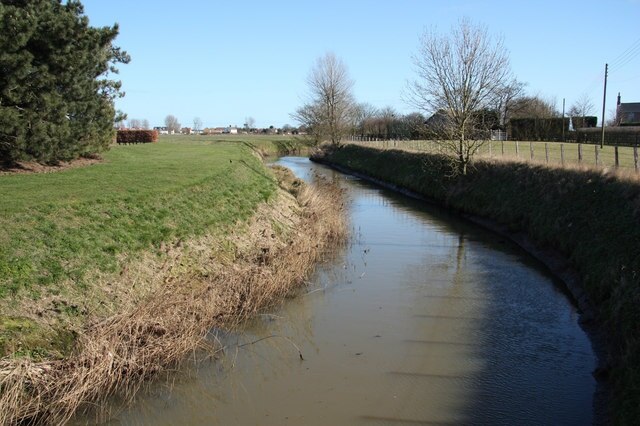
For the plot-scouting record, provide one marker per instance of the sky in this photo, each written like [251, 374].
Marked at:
[224, 61]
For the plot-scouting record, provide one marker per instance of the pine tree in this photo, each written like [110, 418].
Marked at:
[56, 97]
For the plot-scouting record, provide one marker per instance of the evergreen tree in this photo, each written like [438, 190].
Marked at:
[56, 97]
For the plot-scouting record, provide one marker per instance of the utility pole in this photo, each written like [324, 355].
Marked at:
[604, 100]
[562, 119]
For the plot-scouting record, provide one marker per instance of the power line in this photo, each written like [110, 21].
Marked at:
[626, 57]
[634, 48]
[629, 59]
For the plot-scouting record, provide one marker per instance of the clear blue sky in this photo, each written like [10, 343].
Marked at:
[223, 61]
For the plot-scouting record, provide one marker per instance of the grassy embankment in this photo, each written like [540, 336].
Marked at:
[265, 144]
[592, 218]
[110, 274]
[60, 232]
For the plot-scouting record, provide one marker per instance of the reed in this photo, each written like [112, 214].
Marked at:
[204, 283]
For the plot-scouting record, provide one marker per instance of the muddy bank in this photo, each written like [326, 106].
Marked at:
[582, 225]
[195, 286]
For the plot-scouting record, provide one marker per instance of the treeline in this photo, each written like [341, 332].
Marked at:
[56, 102]
[388, 124]
[523, 118]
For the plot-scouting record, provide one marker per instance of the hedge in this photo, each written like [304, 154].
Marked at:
[538, 129]
[623, 136]
[587, 121]
[137, 136]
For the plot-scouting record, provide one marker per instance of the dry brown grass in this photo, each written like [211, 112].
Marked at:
[22, 167]
[204, 284]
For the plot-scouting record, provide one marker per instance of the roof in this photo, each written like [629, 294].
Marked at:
[630, 107]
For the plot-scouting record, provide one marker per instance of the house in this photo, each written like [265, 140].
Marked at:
[231, 130]
[627, 114]
[161, 130]
[212, 131]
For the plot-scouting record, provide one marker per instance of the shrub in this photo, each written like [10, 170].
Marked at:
[137, 136]
[584, 122]
[538, 129]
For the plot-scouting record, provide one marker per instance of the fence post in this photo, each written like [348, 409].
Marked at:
[502, 146]
[615, 153]
[562, 154]
[597, 155]
[517, 150]
[635, 157]
[546, 151]
[579, 153]
[531, 149]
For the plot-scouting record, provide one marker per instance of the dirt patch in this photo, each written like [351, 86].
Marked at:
[29, 167]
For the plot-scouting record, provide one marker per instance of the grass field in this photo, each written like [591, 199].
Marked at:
[59, 230]
[553, 153]
[266, 144]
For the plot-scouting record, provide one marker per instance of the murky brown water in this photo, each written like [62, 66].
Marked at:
[424, 319]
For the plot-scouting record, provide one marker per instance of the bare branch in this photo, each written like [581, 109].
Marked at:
[461, 77]
[330, 111]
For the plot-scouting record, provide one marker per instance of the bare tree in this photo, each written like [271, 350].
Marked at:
[533, 107]
[507, 97]
[172, 124]
[363, 113]
[310, 118]
[134, 123]
[580, 109]
[197, 124]
[331, 104]
[145, 124]
[459, 75]
[249, 123]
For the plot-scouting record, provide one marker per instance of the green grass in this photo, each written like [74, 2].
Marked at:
[266, 144]
[58, 226]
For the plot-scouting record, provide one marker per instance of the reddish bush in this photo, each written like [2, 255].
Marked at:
[137, 136]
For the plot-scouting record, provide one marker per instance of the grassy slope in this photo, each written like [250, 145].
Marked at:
[592, 218]
[58, 229]
[266, 144]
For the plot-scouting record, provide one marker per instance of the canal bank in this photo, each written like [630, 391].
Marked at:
[193, 286]
[583, 225]
[423, 318]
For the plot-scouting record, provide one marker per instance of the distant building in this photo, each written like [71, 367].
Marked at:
[627, 114]
[231, 130]
[161, 130]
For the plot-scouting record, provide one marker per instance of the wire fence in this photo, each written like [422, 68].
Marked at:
[622, 158]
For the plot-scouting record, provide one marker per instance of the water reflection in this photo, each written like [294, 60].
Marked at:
[424, 319]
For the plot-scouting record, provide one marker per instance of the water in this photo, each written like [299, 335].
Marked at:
[422, 319]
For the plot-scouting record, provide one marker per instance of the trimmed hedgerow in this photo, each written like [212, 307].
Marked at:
[137, 136]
